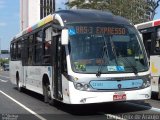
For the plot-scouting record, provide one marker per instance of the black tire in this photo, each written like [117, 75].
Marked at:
[47, 95]
[155, 95]
[19, 88]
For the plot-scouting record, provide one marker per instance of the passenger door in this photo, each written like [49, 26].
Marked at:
[57, 68]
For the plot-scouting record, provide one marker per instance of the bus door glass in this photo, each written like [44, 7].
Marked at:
[147, 42]
[56, 62]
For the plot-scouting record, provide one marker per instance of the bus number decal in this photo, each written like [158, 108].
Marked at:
[97, 30]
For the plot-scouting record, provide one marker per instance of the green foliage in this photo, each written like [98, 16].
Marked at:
[92, 4]
[134, 10]
[3, 61]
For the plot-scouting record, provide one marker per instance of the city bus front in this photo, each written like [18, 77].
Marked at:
[106, 62]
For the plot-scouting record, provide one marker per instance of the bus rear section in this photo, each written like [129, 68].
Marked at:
[92, 59]
[151, 38]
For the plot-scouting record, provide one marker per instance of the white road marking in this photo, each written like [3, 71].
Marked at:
[155, 109]
[147, 107]
[110, 116]
[23, 106]
[3, 80]
[5, 77]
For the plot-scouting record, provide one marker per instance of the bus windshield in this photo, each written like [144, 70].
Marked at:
[108, 48]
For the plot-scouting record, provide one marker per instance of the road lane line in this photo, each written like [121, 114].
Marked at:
[5, 77]
[147, 107]
[23, 106]
[110, 116]
[155, 109]
[3, 80]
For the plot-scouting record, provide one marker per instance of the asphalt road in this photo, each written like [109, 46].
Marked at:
[27, 105]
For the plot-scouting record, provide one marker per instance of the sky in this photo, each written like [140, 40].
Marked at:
[9, 21]
[10, 17]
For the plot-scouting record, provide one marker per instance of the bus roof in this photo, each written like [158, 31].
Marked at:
[87, 15]
[77, 16]
[149, 24]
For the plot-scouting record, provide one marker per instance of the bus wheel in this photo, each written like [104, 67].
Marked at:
[47, 95]
[155, 95]
[20, 89]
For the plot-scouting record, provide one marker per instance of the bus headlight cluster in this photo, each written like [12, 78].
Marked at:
[82, 86]
[146, 83]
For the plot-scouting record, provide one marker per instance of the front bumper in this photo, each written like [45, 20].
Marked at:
[86, 97]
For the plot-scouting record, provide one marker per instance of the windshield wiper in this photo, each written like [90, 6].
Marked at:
[105, 49]
[115, 55]
[131, 65]
[113, 50]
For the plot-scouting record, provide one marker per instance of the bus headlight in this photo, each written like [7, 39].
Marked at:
[86, 87]
[82, 86]
[146, 83]
[79, 86]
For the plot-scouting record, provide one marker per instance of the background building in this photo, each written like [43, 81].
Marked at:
[4, 54]
[46, 7]
[32, 11]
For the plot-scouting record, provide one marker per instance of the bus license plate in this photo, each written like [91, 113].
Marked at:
[119, 97]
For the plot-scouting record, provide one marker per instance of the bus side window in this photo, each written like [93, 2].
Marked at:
[30, 50]
[157, 46]
[47, 45]
[24, 52]
[19, 50]
[38, 47]
[157, 42]
[12, 51]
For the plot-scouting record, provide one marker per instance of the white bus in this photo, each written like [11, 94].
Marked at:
[81, 57]
[151, 38]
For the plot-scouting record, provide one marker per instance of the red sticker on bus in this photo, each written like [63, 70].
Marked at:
[156, 23]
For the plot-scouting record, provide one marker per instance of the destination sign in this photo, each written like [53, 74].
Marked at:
[100, 30]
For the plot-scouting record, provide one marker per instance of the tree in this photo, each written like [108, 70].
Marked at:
[3, 61]
[136, 11]
[88, 4]
[154, 6]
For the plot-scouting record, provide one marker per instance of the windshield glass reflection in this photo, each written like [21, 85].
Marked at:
[108, 49]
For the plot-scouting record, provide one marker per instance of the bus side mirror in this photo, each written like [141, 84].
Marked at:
[64, 37]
